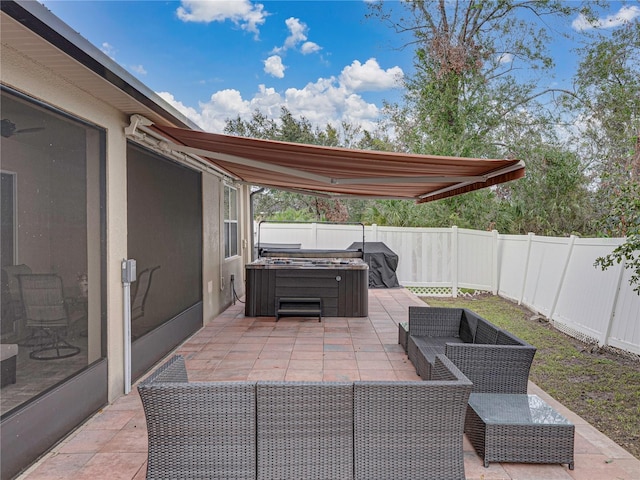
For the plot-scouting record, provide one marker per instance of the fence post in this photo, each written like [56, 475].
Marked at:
[314, 235]
[607, 331]
[454, 261]
[526, 266]
[374, 232]
[572, 241]
[495, 273]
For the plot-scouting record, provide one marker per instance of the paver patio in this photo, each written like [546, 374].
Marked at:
[113, 444]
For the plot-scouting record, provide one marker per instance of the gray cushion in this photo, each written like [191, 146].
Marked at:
[432, 346]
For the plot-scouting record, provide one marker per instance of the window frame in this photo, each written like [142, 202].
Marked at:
[230, 221]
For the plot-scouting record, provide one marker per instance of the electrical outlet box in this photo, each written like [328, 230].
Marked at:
[128, 271]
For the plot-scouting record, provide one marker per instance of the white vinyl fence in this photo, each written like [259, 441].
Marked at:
[554, 277]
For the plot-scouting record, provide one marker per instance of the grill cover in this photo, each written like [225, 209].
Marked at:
[382, 262]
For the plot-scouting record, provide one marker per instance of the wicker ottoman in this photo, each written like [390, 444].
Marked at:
[518, 428]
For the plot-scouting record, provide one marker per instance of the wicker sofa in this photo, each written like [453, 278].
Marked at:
[492, 358]
[310, 430]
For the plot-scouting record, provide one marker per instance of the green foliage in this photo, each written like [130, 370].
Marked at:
[286, 129]
[395, 213]
[553, 198]
[480, 210]
[624, 220]
[463, 91]
[292, 215]
[464, 99]
[607, 101]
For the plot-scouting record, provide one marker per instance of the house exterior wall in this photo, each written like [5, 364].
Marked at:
[20, 73]
[217, 270]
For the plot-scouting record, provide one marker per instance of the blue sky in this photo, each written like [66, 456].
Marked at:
[219, 59]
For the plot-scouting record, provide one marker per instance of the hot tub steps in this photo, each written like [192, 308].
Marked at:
[299, 307]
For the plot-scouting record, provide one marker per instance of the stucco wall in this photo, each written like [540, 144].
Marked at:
[21, 74]
[216, 270]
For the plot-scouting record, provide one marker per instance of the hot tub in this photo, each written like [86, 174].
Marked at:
[339, 278]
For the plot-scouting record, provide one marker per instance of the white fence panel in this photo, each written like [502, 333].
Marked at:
[340, 237]
[512, 265]
[286, 233]
[625, 328]
[404, 244]
[553, 276]
[547, 259]
[424, 255]
[586, 298]
[476, 259]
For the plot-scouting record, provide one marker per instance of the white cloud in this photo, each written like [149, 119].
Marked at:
[248, 16]
[623, 16]
[273, 66]
[326, 101]
[310, 47]
[229, 104]
[189, 112]
[369, 77]
[139, 69]
[109, 50]
[505, 58]
[297, 32]
[297, 36]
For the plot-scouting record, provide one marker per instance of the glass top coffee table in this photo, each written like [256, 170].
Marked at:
[518, 428]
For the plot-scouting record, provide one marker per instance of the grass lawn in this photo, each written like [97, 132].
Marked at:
[600, 386]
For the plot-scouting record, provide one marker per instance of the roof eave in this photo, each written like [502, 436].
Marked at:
[42, 22]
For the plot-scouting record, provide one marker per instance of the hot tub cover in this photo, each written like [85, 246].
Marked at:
[382, 262]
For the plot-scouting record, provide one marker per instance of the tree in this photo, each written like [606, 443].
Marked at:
[607, 100]
[606, 103]
[624, 220]
[470, 96]
[553, 198]
[467, 53]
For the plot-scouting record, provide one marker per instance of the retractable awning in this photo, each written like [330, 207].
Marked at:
[340, 172]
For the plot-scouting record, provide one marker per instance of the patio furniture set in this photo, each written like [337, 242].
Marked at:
[503, 423]
[305, 430]
[474, 381]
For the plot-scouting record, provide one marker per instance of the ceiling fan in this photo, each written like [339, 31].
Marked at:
[8, 129]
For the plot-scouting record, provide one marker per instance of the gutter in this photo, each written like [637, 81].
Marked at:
[41, 21]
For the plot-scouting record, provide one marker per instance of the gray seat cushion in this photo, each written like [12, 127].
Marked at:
[432, 346]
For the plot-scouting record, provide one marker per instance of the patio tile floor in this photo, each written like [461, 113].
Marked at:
[112, 444]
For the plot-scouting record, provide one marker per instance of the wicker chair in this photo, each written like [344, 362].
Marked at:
[413, 430]
[493, 359]
[430, 329]
[198, 430]
[305, 430]
[500, 368]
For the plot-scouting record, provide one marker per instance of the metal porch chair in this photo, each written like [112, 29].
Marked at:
[46, 313]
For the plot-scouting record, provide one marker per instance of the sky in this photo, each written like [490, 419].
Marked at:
[323, 60]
